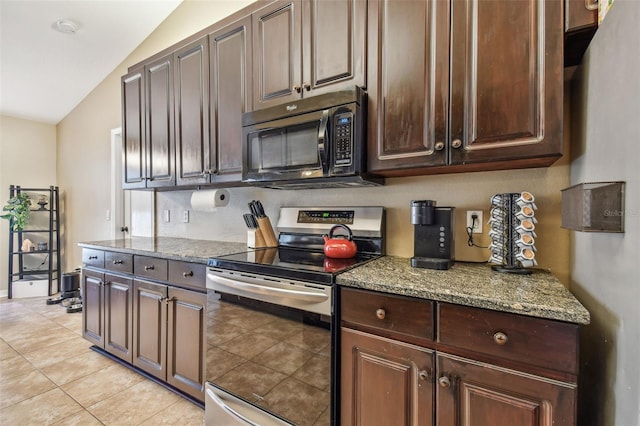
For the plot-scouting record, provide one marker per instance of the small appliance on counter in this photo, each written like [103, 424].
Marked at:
[433, 246]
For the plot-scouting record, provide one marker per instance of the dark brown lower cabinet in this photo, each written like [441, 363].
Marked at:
[483, 368]
[107, 312]
[186, 345]
[385, 382]
[150, 328]
[141, 316]
[169, 332]
[479, 394]
[117, 316]
[93, 312]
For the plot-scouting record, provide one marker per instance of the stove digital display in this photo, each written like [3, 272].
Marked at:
[344, 217]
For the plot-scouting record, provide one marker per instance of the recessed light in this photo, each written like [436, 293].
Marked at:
[66, 26]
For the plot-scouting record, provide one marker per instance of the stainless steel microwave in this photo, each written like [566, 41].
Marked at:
[314, 142]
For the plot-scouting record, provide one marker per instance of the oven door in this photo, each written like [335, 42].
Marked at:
[269, 350]
[289, 148]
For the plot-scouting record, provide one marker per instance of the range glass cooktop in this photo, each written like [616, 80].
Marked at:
[295, 264]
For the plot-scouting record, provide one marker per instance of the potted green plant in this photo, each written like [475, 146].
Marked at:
[18, 211]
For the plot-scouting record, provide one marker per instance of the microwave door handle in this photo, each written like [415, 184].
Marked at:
[322, 141]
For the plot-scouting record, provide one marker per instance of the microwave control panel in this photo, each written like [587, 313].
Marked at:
[343, 146]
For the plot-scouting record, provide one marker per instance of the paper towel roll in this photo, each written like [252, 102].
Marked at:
[209, 200]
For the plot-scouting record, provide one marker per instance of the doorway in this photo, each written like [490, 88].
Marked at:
[132, 212]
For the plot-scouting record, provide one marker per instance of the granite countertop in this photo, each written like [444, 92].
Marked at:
[539, 294]
[188, 250]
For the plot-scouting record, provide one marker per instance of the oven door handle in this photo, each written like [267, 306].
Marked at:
[233, 413]
[257, 288]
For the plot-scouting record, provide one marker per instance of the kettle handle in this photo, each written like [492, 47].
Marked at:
[345, 227]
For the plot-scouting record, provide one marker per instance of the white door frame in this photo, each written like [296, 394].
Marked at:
[120, 199]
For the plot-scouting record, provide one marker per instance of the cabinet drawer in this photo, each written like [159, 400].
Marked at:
[119, 262]
[91, 257]
[533, 341]
[187, 274]
[150, 267]
[399, 317]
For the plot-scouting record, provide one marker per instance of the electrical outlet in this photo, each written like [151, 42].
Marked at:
[477, 225]
[185, 216]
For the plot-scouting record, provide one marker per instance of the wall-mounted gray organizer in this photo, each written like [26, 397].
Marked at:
[512, 232]
[594, 207]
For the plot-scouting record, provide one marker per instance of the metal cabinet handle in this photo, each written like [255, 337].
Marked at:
[168, 300]
[424, 375]
[297, 88]
[187, 274]
[380, 313]
[439, 146]
[149, 268]
[444, 382]
[591, 5]
[118, 262]
[500, 338]
[307, 87]
[93, 257]
[457, 143]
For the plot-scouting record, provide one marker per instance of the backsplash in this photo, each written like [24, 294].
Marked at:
[469, 191]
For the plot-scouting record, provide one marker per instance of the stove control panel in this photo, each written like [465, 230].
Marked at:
[329, 217]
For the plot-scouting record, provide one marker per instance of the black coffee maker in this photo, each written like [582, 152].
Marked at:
[433, 246]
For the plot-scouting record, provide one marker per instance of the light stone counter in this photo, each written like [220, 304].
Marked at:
[538, 295]
[196, 251]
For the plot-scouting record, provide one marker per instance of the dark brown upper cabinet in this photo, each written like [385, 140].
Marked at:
[133, 129]
[148, 135]
[191, 86]
[498, 105]
[231, 95]
[305, 48]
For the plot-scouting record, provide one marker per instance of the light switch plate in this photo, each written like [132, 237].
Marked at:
[185, 216]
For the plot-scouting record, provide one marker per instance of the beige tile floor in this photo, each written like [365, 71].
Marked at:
[48, 375]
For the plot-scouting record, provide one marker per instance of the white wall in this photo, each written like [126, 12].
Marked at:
[604, 267]
[28, 159]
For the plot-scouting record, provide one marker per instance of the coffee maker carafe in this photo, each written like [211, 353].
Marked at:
[433, 246]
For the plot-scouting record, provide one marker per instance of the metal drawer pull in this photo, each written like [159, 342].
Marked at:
[118, 262]
[439, 146]
[187, 274]
[424, 375]
[93, 257]
[149, 268]
[444, 382]
[380, 313]
[457, 143]
[500, 338]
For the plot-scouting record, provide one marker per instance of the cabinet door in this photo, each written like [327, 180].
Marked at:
[384, 382]
[191, 87]
[133, 130]
[276, 48]
[186, 344]
[150, 328]
[408, 77]
[159, 122]
[473, 393]
[333, 47]
[93, 307]
[507, 81]
[117, 316]
[231, 96]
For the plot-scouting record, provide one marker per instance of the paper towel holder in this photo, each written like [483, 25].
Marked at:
[594, 207]
[208, 200]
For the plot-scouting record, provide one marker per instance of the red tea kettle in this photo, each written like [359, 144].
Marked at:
[340, 247]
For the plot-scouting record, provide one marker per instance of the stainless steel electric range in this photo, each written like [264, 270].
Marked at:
[271, 336]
